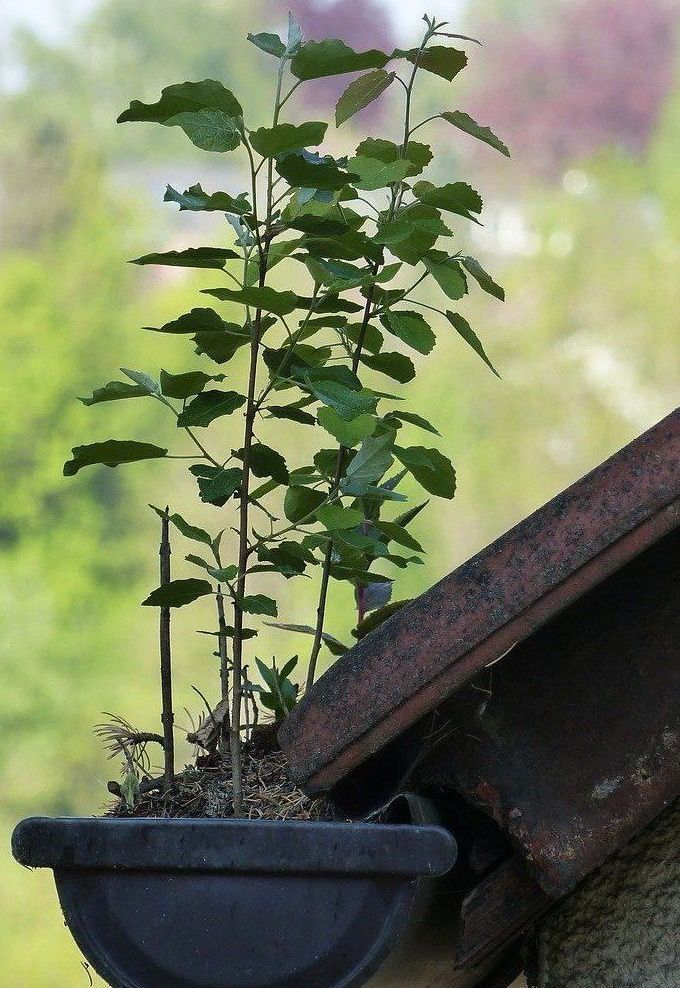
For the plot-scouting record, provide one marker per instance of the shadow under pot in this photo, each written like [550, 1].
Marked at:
[188, 903]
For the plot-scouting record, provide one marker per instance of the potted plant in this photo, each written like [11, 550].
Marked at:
[165, 891]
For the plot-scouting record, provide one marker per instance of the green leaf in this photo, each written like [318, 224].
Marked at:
[184, 97]
[464, 329]
[143, 380]
[484, 280]
[414, 219]
[335, 646]
[111, 453]
[335, 517]
[259, 604]
[396, 533]
[271, 44]
[361, 93]
[350, 433]
[304, 171]
[221, 347]
[197, 561]
[186, 385]
[348, 403]
[317, 59]
[280, 303]
[465, 123]
[192, 257]
[177, 593]
[447, 273]
[371, 337]
[196, 321]
[206, 112]
[292, 413]
[208, 406]
[301, 502]
[413, 419]
[457, 197]
[196, 200]
[266, 462]
[373, 459]
[187, 530]
[223, 574]
[439, 59]
[216, 485]
[395, 365]
[411, 328]
[375, 174]
[114, 391]
[431, 469]
[407, 517]
[272, 141]
[419, 155]
[376, 618]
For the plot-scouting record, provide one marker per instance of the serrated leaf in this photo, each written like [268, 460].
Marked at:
[143, 380]
[348, 434]
[268, 299]
[271, 44]
[178, 593]
[272, 141]
[431, 469]
[208, 406]
[206, 112]
[483, 279]
[187, 384]
[466, 123]
[361, 93]
[219, 485]
[371, 462]
[407, 517]
[111, 453]
[303, 170]
[300, 502]
[292, 413]
[266, 462]
[348, 403]
[188, 531]
[374, 174]
[419, 155]
[335, 646]
[438, 59]
[464, 329]
[195, 321]
[397, 366]
[196, 200]
[370, 336]
[184, 97]
[411, 328]
[114, 391]
[258, 604]
[448, 274]
[396, 533]
[456, 197]
[375, 619]
[412, 419]
[191, 257]
[317, 59]
[223, 574]
[335, 517]
[414, 219]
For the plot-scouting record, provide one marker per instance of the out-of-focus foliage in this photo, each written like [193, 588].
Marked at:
[587, 249]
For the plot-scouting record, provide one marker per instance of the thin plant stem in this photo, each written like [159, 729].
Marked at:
[167, 715]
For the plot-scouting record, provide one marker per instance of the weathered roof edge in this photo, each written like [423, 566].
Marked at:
[475, 614]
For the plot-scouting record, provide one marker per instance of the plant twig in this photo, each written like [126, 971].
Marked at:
[167, 715]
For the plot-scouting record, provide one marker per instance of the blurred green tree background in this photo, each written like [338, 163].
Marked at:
[582, 227]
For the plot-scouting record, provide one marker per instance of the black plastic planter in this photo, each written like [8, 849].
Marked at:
[237, 904]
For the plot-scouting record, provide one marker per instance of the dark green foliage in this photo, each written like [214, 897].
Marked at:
[359, 231]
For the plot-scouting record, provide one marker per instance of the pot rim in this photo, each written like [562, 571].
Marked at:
[234, 846]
